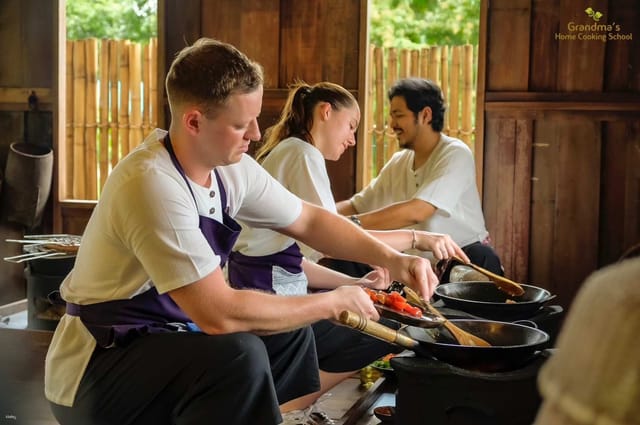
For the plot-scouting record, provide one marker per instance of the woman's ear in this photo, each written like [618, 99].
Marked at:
[325, 110]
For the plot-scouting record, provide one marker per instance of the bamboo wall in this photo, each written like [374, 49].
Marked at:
[104, 126]
[451, 67]
[111, 105]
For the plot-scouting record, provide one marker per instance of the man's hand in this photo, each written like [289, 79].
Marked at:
[416, 272]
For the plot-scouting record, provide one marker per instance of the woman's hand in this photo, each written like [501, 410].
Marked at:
[441, 245]
[378, 278]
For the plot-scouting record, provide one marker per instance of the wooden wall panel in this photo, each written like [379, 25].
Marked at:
[575, 247]
[619, 221]
[543, 204]
[25, 30]
[580, 62]
[507, 191]
[508, 29]
[252, 26]
[622, 63]
[13, 52]
[320, 41]
[577, 125]
[544, 50]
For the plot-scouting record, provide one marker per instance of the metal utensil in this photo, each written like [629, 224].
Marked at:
[32, 256]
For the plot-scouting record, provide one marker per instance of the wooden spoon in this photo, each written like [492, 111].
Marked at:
[463, 337]
[506, 285]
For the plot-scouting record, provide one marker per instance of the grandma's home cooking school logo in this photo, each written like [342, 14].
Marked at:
[593, 29]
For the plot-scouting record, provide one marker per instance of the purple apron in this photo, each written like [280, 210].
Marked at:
[256, 272]
[118, 322]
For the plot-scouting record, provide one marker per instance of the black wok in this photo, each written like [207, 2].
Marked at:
[512, 345]
[485, 300]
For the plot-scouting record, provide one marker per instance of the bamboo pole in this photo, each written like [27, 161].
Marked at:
[114, 55]
[426, 61]
[123, 107]
[415, 63]
[146, 83]
[79, 82]
[153, 91]
[67, 190]
[390, 140]
[434, 65]
[467, 95]
[366, 143]
[135, 78]
[454, 92]
[405, 63]
[91, 171]
[444, 84]
[379, 125]
[103, 121]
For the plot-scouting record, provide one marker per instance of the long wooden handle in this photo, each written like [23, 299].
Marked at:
[377, 330]
[462, 336]
[507, 285]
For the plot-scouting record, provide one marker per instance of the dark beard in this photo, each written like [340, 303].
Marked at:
[406, 145]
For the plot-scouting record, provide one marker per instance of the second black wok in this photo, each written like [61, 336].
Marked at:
[485, 300]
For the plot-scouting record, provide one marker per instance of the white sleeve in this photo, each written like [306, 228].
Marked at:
[256, 198]
[449, 178]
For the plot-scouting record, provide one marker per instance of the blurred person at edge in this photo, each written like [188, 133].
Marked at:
[593, 376]
[430, 184]
[317, 123]
[153, 332]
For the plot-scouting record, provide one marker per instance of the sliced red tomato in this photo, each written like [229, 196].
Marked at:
[413, 311]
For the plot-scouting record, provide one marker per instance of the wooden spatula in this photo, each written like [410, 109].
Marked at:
[463, 337]
[506, 285]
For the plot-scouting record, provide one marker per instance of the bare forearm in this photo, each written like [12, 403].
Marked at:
[345, 207]
[320, 277]
[397, 216]
[338, 237]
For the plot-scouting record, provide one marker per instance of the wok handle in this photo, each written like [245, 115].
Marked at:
[377, 330]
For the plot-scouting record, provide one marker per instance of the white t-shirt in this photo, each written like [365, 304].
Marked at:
[301, 168]
[144, 232]
[447, 180]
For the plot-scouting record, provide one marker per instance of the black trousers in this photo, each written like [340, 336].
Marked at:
[192, 378]
[342, 349]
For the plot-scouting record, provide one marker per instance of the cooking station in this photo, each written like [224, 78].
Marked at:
[430, 391]
[450, 384]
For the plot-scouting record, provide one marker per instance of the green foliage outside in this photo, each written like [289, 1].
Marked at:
[134, 20]
[394, 23]
[416, 23]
